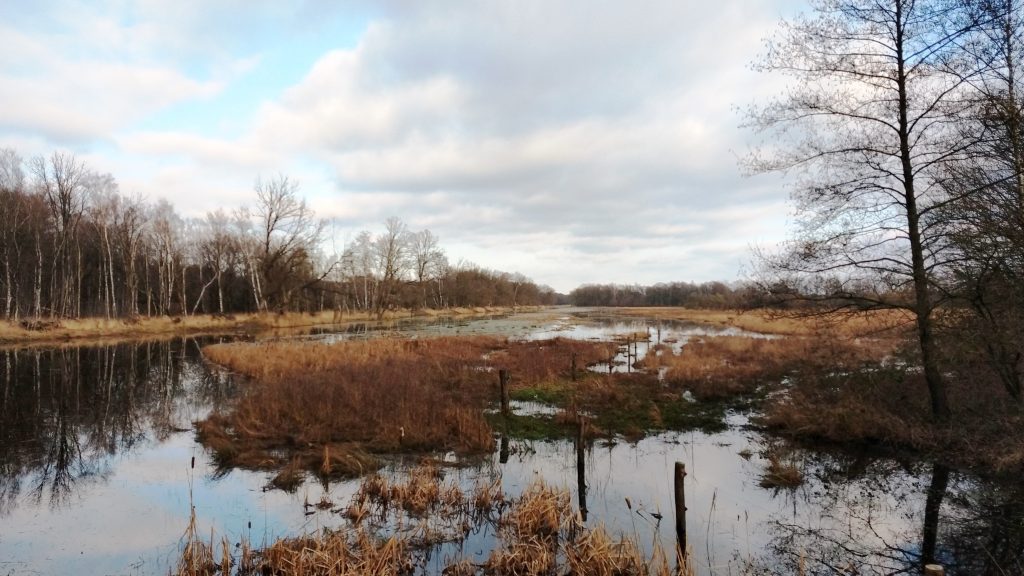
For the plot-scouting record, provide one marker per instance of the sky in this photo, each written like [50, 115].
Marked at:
[575, 141]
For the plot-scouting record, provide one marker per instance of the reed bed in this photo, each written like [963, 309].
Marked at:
[788, 323]
[720, 367]
[47, 331]
[889, 407]
[328, 409]
[538, 534]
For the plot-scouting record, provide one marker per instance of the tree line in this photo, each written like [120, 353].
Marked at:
[902, 136]
[715, 295]
[73, 245]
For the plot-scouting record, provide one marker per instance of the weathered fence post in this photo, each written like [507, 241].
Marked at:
[581, 461]
[503, 383]
[680, 501]
[503, 453]
[573, 367]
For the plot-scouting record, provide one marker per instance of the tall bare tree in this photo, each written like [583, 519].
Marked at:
[12, 219]
[868, 126]
[60, 178]
[428, 259]
[986, 223]
[391, 249]
[289, 232]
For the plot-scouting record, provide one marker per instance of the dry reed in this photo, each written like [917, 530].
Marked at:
[767, 321]
[49, 332]
[540, 534]
[724, 366]
[327, 408]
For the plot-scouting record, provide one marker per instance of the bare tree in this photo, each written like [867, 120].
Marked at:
[60, 178]
[131, 227]
[392, 255]
[12, 219]
[103, 211]
[986, 223]
[869, 126]
[427, 259]
[217, 247]
[289, 232]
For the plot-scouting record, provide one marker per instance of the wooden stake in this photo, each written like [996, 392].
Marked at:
[503, 452]
[581, 461]
[503, 383]
[573, 368]
[680, 501]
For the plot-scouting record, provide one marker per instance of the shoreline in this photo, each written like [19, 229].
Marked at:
[89, 330]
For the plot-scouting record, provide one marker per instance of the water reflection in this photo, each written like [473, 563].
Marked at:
[95, 444]
[859, 515]
[65, 413]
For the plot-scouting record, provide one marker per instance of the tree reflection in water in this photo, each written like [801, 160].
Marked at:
[66, 412]
[857, 515]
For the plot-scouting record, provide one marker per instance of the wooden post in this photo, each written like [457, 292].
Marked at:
[573, 367]
[629, 355]
[503, 383]
[934, 570]
[581, 461]
[659, 333]
[680, 501]
[503, 453]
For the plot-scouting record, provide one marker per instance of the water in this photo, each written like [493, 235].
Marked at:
[96, 474]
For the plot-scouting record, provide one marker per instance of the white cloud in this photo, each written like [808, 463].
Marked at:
[552, 138]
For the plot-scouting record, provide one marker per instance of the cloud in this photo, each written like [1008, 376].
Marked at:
[573, 141]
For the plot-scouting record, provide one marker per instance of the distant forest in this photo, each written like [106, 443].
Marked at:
[72, 245]
[685, 294]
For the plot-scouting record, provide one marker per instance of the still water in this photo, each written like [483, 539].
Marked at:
[98, 466]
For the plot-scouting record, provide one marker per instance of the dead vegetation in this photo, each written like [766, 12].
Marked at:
[846, 325]
[718, 367]
[328, 408]
[782, 470]
[44, 331]
[887, 406]
[538, 534]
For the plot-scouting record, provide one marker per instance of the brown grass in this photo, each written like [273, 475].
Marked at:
[103, 329]
[724, 366]
[782, 471]
[325, 408]
[889, 407]
[540, 534]
[843, 324]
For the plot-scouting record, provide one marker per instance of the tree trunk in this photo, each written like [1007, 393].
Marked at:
[38, 292]
[8, 297]
[922, 301]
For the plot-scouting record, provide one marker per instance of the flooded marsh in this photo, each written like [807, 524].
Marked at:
[100, 468]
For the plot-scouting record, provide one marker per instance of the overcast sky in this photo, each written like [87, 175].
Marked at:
[573, 141]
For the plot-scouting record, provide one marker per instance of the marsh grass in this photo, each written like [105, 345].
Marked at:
[538, 533]
[848, 325]
[888, 407]
[50, 332]
[719, 367]
[782, 470]
[328, 409]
